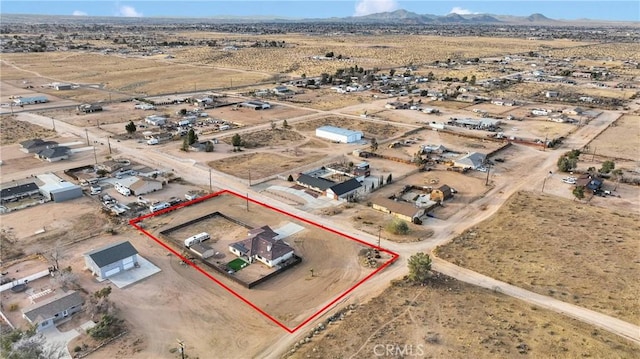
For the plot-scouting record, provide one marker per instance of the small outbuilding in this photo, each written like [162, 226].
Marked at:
[203, 250]
[344, 190]
[471, 160]
[110, 260]
[337, 134]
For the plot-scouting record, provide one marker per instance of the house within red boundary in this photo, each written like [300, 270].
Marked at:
[134, 223]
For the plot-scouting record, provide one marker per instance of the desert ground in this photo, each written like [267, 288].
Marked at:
[608, 143]
[449, 319]
[544, 251]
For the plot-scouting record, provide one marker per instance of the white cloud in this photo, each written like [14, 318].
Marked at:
[460, 11]
[79, 13]
[367, 7]
[127, 11]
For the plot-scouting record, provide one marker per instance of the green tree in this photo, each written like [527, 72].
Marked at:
[472, 81]
[329, 54]
[208, 147]
[109, 326]
[392, 72]
[236, 141]
[192, 137]
[183, 111]
[566, 164]
[285, 125]
[419, 267]
[185, 145]
[389, 178]
[374, 145]
[131, 128]
[607, 166]
[397, 226]
[578, 192]
[290, 178]
[464, 79]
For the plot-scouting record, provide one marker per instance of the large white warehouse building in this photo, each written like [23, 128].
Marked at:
[338, 134]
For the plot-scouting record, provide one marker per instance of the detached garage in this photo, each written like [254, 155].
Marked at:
[108, 261]
[338, 134]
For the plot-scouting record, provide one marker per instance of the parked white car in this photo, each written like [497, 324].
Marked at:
[569, 180]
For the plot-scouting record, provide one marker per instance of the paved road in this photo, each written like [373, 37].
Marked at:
[444, 230]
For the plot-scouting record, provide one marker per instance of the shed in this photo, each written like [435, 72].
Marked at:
[338, 134]
[441, 193]
[110, 260]
[52, 310]
[58, 190]
[203, 250]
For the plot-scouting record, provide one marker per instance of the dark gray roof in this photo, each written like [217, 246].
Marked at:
[31, 143]
[262, 242]
[315, 182]
[49, 307]
[346, 187]
[54, 152]
[18, 190]
[111, 253]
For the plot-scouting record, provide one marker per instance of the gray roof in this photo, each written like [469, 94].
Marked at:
[18, 190]
[262, 241]
[315, 182]
[111, 253]
[473, 159]
[49, 307]
[346, 187]
[54, 152]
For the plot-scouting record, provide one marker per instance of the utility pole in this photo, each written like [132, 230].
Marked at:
[86, 132]
[249, 178]
[95, 157]
[109, 143]
[378, 249]
[247, 201]
[210, 184]
[545, 180]
[488, 170]
[53, 121]
[181, 348]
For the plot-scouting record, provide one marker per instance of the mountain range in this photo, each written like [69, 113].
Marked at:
[398, 17]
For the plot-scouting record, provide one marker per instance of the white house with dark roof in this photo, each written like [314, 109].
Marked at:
[52, 310]
[344, 190]
[262, 245]
[110, 260]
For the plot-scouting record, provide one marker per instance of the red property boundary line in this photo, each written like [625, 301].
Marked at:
[394, 256]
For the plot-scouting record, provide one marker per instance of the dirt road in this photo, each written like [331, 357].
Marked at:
[444, 230]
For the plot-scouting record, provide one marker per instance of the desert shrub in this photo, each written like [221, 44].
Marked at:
[397, 226]
[108, 327]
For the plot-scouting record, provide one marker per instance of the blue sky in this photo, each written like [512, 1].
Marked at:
[627, 10]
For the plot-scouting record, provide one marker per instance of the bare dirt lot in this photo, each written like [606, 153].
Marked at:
[545, 250]
[333, 258]
[449, 319]
[260, 164]
[610, 143]
[270, 137]
[13, 131]
[125, 74]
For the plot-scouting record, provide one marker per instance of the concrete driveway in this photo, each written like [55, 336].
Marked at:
[57, 340]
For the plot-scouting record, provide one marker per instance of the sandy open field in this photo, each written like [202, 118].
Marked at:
[14, 131]
[259, 165]
[128, 75]
[449, 319]
[545, 250]
[609, 142]
[378, 130]
[333, 258]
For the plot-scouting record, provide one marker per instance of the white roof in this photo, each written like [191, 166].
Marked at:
[54, 183]
[338, 130]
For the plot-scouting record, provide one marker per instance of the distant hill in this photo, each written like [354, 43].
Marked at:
[397, 17]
